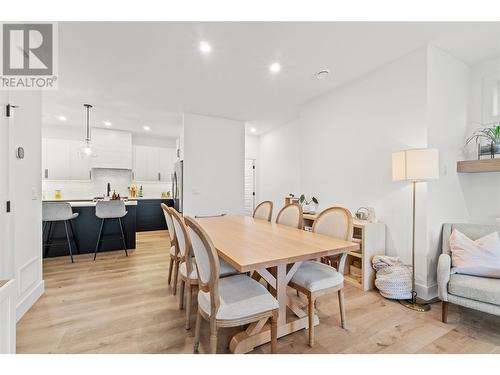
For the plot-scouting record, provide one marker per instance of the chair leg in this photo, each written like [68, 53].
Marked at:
[197, 333]
[75, 240]
[123, 236]
[444, 312]
[171, 265]
[188, 305]
[274, 332]
[98, 239]
[310, 316]
[213, 337]
[176, 275]
[69, 241]
[47, 243]
[342, 308]
[181, 295]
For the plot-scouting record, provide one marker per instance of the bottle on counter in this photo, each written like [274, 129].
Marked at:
[140, 192]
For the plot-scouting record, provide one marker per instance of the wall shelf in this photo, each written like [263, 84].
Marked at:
[478, 166]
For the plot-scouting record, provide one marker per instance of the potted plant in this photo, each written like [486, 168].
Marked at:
[309, 205]
[492, 136]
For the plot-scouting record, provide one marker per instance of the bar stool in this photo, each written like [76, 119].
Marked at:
[54, 212]
[110, 210]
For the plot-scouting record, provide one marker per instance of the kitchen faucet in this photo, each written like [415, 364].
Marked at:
[108, 189]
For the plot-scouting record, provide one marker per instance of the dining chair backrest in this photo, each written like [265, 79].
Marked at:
[291, 215]
[207, 262]
[170, 223]
[181, 236]
[110, 209]
[56, 211]
[263, 211]
[335, 222]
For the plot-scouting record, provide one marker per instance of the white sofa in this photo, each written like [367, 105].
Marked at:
[479, 293]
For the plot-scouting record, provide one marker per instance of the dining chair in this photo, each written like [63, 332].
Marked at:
[314, 278]
[263, 211]
[291, 215]
[227, 302]
[174, 257]
[187, 268]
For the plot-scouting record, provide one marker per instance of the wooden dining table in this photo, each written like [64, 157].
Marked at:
[274, 252]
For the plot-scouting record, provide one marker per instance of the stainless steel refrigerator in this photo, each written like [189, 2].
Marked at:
[177, 186]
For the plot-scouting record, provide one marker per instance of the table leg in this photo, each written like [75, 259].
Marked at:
[258, 333]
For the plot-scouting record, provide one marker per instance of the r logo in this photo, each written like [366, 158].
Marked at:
[27, 49]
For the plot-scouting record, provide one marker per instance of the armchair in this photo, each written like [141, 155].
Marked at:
[479, 293]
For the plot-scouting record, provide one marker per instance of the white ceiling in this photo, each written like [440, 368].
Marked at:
[138, 74]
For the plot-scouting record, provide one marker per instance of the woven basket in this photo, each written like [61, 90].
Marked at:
[394, 282]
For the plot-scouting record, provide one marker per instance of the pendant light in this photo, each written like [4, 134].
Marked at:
[87, 150]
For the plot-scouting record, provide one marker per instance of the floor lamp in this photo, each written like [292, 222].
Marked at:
[415, 165]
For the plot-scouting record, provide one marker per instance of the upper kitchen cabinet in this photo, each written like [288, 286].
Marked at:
[113, 148]
[61, 160]
[153, 163]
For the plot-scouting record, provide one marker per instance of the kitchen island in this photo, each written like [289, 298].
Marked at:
[86, 227]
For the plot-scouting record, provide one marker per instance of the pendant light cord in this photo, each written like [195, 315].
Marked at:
[88, 106]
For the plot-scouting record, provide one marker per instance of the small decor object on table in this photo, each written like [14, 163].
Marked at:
[491, 135]
[309, 205]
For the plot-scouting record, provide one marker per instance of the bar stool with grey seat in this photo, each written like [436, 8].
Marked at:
[106, 210]
[53, 212]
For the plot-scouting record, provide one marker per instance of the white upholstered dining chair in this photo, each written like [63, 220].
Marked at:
[174, 257]
[263, 211]
[291, 215]
[187, 268]
[227, 302]
[314, 278]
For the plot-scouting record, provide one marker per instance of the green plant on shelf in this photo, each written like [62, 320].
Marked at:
[303, 200]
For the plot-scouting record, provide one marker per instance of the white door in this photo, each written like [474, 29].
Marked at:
[249, 186]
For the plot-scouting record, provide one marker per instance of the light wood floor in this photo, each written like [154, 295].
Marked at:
[123, 305]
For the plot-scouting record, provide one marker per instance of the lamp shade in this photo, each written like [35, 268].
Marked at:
[415, 165]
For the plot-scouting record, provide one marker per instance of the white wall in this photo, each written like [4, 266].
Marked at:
[280, 167]
[214, 153]
[339, 149]
[25, 195]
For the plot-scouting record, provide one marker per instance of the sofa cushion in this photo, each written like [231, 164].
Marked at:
[480, 257]
[481, 289]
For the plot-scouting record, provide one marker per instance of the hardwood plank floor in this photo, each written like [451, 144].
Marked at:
[121, 304]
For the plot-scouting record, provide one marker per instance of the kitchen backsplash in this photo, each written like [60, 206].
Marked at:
[120, 180]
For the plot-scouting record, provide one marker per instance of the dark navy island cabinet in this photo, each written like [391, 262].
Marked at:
[150, 215]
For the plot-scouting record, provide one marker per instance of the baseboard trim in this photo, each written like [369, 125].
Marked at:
[427, 293]
[29, 300]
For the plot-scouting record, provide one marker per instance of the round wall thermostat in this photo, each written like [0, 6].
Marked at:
[20, 153]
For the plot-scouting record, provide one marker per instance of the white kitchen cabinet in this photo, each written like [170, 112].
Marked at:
[61, 160]
[113, 148]
[57, 159]
[166, 163]
[153, 163]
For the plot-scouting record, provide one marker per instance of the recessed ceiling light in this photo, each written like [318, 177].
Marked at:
[322, 74]
[62, 118]
[205, 47]
[147, 128]
[107, 123]
[275, 67]
[253, 130]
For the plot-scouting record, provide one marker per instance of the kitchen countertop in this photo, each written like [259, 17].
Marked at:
[87, 203]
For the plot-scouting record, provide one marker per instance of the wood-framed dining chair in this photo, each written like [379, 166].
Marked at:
[291, 215]
[174, 253]
[227, 302]
[263, 211]
[314, 278]
[187, 269]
